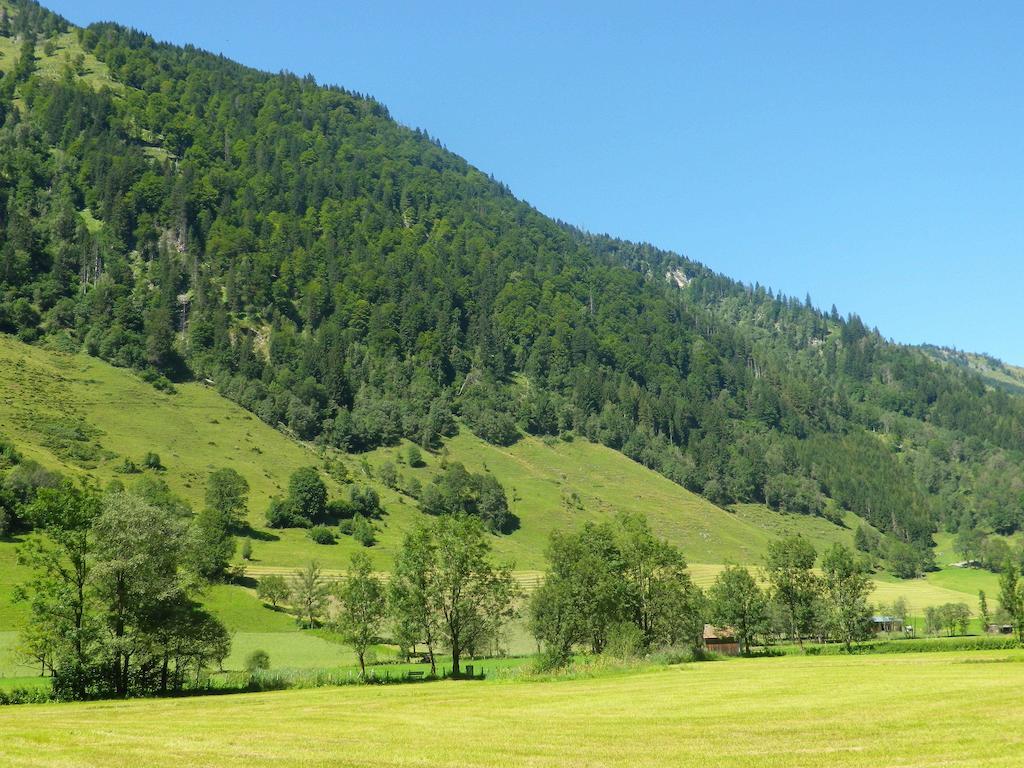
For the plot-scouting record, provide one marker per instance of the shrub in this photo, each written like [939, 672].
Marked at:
[362, 531]
[158, 380]
[413, 487]
[625, 641]
[339, 509]
[128, 467]
[497, 428]
[389, 474]
[279, 514]
[338, 471]
[257, 661]
[247, 549]
[413, 456]
[321, 534]
[678, 654]
[152, 461]
[364, 501]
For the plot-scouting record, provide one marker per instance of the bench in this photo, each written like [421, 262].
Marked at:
[414, 675]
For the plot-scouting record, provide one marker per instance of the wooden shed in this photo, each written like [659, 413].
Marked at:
[880, 624]
[721, 640]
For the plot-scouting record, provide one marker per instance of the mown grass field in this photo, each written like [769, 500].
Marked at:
[951, 709]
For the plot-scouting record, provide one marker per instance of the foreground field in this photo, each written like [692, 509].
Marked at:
[927, 710]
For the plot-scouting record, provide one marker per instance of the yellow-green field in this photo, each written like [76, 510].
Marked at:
[947, 709]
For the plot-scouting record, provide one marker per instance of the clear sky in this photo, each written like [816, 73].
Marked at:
[868, 153]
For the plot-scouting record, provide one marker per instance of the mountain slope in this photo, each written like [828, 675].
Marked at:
[82, 417]
[350, 282]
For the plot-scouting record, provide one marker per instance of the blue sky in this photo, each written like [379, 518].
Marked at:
[868, 154]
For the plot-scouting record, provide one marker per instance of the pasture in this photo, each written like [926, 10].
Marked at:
[951, 709]
[83, 417]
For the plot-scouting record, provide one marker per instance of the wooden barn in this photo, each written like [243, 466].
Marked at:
[721, 640]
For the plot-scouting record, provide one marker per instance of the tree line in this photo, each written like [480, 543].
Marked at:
[445, 592]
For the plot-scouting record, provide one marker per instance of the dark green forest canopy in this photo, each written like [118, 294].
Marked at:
[349, 280]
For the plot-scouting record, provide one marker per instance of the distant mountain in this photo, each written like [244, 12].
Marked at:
[351, 282]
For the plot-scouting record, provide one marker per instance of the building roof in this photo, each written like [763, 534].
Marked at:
[725, 634]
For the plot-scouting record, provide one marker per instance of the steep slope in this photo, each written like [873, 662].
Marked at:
[82, 417]
[349, 281]
[993, 371]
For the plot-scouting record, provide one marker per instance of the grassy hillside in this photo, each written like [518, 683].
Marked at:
[994, 372]
[925, 710]
[83, 417]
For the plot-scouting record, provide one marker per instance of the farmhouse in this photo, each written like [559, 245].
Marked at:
[721, 640]
[999, 629]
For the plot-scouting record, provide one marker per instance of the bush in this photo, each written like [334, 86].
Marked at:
[364, 501]
[321, 534]
[128, 467]
[389, 474]
[158, 380]
[413, 457]
[413, 487]
[152, 461]
[339, 509]
[247, 549]
[280, 515]
[257, 661]
[362, 531]
[678, 654]
[26, 695]
[625, 641]
[497, 428]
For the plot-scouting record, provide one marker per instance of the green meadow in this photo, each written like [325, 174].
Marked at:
[949, 709]
[83, 417]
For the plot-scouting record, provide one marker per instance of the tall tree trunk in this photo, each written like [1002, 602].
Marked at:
[456, 653]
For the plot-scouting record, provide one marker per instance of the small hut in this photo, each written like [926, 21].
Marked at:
[721, 640]
[999, 629]
[880, 624]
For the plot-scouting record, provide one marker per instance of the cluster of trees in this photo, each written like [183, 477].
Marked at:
[798, 602]
[614, 580]
[617, 579]
[350, 281]
[457, 491]
[445, 591]
[306, 502]
[951, 618]
[112, 596]
[20, 481]
[991, 552]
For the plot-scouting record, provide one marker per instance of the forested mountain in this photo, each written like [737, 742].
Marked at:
[349, 280]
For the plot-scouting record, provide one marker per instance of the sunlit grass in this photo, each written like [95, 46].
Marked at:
[927, 710]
